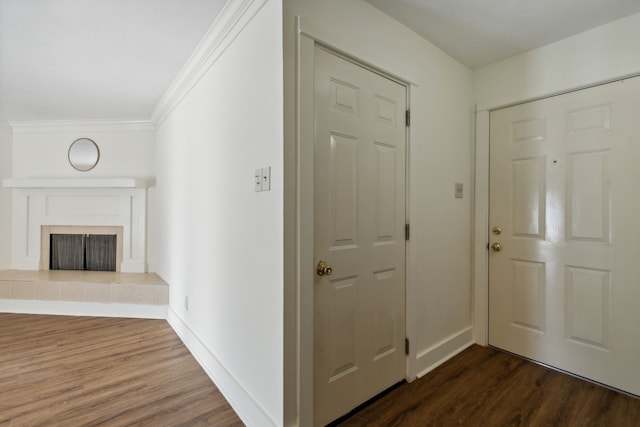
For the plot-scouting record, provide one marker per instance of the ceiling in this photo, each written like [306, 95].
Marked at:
[94, 59]
[114, 59]
[478, 32]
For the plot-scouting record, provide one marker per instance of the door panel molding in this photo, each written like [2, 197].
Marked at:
[360, 211]
[309, 36]
[480, 219]
[571, 312]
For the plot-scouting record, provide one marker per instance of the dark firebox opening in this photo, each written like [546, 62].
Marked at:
[92, 252]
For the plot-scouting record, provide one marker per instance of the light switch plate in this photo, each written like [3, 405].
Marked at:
[257, 180]
[266, 178]
[458, 191]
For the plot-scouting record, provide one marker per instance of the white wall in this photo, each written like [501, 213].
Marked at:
[439, 275]
[599, 55]
[5, 195]
[217, 241]
[40, 149]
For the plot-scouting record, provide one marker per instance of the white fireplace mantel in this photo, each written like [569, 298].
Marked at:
[74, 183]
[39, 202]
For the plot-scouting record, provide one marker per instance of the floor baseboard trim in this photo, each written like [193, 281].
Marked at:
[249, 411]
[436, 355]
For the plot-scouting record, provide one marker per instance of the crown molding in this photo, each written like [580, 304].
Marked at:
[235, 15]
[62, 126]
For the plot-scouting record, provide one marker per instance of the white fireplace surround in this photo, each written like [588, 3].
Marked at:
[95, 202]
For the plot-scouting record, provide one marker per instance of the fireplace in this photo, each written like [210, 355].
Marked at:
[93, 248]
[83, 205]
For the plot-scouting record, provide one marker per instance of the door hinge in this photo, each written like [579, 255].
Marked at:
[408, 118]
[406, 346]
[406, 231]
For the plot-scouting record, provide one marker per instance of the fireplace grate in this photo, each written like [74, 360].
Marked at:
[92, 252]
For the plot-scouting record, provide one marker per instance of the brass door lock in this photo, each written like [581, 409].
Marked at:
[324, 269]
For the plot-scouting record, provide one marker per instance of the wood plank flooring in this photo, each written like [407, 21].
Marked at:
[486, 387]
[89, 371]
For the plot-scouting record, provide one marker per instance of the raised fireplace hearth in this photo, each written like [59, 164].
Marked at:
[87, 293]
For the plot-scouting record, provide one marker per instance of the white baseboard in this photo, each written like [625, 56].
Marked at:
[249, 411]
[68, 308]
[434, 356]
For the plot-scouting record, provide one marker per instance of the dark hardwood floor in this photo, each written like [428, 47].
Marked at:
[486, 387]
[89, 371]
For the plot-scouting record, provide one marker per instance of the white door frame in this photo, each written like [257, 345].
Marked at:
[480, 240]
[308, 35]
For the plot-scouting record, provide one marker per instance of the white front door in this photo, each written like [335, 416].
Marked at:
[564, 284]
[359, 217]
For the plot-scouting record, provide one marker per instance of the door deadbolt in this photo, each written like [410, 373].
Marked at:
[496, 230]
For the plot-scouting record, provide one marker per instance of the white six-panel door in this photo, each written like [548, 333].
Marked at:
[564, 191]
[359, 209]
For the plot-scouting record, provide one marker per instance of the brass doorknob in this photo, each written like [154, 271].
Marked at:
[497, 247]
[324, 269]
[496, 230]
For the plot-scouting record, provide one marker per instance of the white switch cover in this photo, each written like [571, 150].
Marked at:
[266, 178]
[257, 180]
